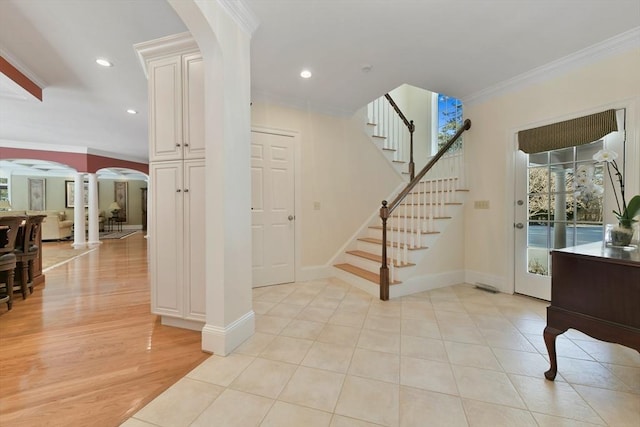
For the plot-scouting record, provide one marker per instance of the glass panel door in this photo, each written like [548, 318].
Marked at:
[564, 198]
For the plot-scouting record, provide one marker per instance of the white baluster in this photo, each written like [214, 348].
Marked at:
[441, 197]
[431, 211]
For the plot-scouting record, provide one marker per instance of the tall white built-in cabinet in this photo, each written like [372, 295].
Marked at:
[176, 228]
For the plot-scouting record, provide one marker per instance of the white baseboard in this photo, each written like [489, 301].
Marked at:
[498, 282]
[223, 340]
[181, 323]
[132, 227]
[427, 283]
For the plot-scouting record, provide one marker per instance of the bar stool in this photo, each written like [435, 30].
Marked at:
[9, 226]
[26, 252]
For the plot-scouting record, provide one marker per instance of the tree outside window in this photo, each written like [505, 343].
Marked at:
[449, 120]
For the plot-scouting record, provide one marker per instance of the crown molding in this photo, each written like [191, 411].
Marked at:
[614, 45]
[15, 62]
[241, 14]
[169, 45]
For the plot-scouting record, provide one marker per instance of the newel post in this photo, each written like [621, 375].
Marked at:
[384, 269]
[412, 165]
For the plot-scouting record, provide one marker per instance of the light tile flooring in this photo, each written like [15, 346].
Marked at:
[327, 354]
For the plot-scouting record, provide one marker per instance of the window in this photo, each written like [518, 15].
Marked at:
[4, 188]
[449, 120]
[566, 195]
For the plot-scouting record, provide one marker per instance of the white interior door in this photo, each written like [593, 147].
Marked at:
[551, 214]
[272, 208]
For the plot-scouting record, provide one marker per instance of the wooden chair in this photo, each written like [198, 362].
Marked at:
[26, 251]
[9, 226]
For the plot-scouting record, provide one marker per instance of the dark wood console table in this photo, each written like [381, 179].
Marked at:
[596, 291]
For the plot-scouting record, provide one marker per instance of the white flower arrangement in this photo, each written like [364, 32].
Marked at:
[626, 212]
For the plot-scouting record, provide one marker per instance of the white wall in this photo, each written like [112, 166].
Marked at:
[610, 83]
[341, 169]
[415, 103]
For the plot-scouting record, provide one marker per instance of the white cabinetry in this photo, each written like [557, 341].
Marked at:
[176, 228]
[176, 107]
[177, 247]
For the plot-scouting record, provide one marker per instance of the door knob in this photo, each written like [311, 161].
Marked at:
[519, 225]
[291, 217]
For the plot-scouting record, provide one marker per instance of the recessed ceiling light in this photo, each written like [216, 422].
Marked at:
[104, 62]
[132, 111]
[305, 74]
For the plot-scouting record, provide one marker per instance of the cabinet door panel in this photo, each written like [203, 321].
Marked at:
[165, 109]
[166, 238]
[193, 106]
[194, 243]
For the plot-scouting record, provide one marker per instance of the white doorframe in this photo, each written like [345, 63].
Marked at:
[297, 177]
[632, 149]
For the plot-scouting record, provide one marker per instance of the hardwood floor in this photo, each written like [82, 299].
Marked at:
[84, 350]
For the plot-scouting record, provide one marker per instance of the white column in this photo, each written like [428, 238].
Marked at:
[225, 48]
[94, 236]
[79, 240]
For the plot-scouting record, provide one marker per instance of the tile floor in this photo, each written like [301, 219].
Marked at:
[327, 354]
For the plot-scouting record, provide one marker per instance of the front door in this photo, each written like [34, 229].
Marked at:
[563, 197]
[272, 208]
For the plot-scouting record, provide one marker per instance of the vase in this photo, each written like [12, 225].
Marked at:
[618, 235]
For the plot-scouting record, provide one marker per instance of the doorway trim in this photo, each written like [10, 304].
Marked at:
[297, 194]
[633, 174]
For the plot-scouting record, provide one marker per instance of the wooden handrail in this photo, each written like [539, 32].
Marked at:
[402, 116]
[411, 127]
[387, 208]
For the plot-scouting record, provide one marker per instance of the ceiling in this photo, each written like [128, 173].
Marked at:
[456, 47]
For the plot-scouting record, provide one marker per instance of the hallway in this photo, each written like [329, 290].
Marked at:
[83, 350]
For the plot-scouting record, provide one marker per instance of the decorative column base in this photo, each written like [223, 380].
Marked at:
[222, 341]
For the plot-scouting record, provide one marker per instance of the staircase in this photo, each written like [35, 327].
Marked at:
[420, 216]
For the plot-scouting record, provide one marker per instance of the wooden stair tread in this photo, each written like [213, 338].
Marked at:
[376, 258]
[379, 227]
[379, 242]
[365, 274]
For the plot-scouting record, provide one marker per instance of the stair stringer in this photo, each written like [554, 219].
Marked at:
[369, 129]
[351, 242]
[422, 258]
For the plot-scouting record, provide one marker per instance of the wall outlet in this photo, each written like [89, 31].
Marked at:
[481, 204]
[316, 206]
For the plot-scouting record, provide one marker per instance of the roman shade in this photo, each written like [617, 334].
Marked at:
[569, 133]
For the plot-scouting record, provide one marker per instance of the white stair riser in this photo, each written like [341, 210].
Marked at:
[425, 239]
[360, 283]
[416, 224]
[366, 264]
[373, 248]
[436, 211]
[426, 198]
[363, 263]
[414, 256]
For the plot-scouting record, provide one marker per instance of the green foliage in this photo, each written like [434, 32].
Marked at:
[451, 126]
[632, 210]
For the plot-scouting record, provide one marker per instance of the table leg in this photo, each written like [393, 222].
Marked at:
[550, 334]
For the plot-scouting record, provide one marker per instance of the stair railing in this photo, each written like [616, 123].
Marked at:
[427, 203]
[393, 128]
